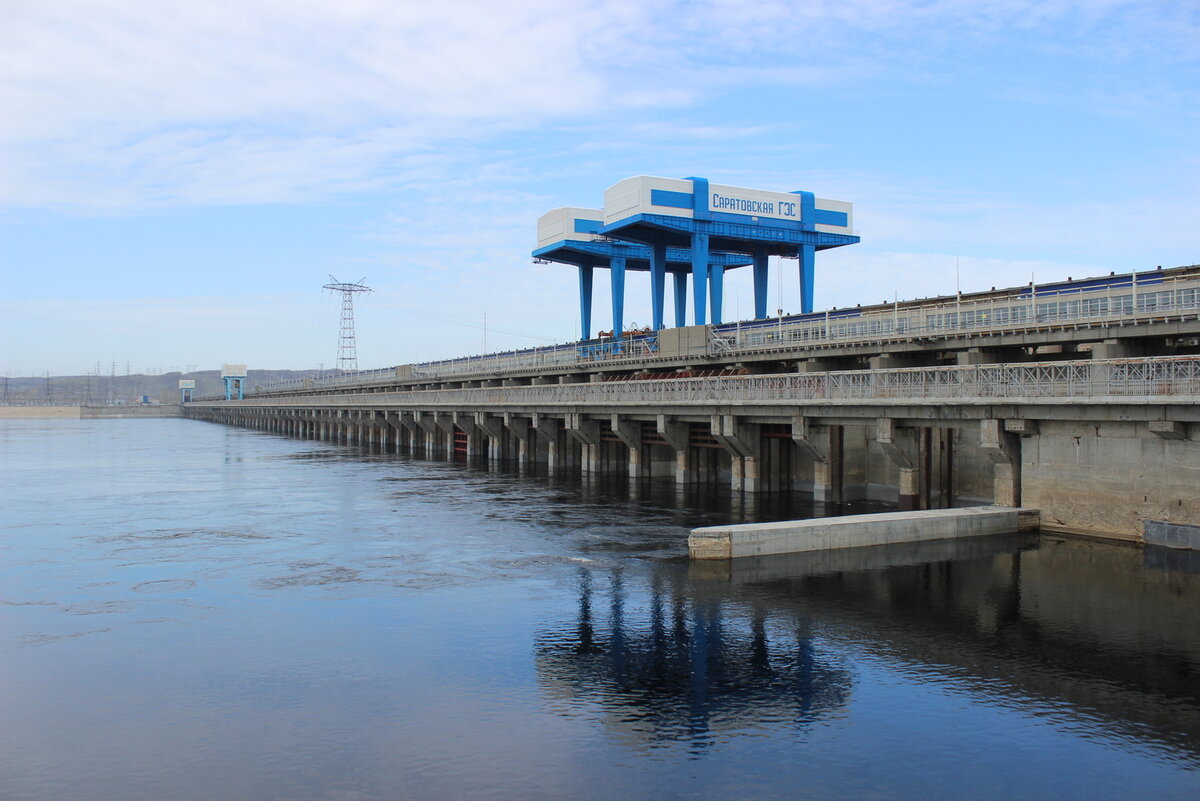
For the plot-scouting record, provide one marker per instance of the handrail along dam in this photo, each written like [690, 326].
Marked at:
[1080, 398]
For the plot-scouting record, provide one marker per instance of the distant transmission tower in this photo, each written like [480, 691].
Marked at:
[347, 355]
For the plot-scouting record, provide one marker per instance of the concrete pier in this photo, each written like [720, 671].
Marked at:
[855, 531]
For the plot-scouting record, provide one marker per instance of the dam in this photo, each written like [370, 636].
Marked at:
[1079, 398]
[1099, 445]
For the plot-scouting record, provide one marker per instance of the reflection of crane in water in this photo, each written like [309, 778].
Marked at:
[689, 668]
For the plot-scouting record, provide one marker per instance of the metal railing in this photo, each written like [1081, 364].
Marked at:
[532, 358]
[1127, 300]
[1174, 379]
[1134, 300]
[618, 348]
[361, 378]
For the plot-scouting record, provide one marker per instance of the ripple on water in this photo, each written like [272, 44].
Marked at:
[312, 578]
[99, 608]
[164, 585]
[168, 534]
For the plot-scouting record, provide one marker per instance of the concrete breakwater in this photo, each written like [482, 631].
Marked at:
[856, 531]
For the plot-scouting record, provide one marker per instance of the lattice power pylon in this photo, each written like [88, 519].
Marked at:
[347, 356]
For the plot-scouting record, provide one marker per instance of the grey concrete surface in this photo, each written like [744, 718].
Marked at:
[1172, 535]
[855, 531]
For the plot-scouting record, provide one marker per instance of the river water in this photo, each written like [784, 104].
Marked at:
[190, 611]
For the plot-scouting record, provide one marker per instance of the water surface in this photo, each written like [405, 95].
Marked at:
[189, 611]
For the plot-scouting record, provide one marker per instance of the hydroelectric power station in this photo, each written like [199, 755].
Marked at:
[1080, 398]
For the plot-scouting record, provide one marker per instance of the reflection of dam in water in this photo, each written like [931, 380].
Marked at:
[677, 667]
[1099, 638]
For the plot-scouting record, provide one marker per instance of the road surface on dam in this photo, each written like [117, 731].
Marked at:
[190, 611]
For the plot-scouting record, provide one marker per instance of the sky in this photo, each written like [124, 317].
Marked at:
[178, 180]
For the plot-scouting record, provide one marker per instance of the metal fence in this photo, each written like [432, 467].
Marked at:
[607, 350]
[1174, 379]
[361, 378]
[1133, 300]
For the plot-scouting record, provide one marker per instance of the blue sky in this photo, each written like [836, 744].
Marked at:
[178, 180]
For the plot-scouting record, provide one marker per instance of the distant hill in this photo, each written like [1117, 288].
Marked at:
[91, 390]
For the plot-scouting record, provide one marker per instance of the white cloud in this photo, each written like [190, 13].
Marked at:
[118, 102]
[123, 103]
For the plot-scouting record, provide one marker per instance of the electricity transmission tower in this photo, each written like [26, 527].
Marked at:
[347, 355]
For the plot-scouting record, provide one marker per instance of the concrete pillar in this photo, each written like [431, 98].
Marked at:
[428, 425]
[823, 444]
[587, 433]
[548, 428]
[676, 435]
[493, 429]
[682, 474]
[1115, 349]
[901, 446]
[408, 432]
[1004, 449]
[975, 356]
[630, 433]
[446, 424]
[397, 434]
[590, 459]
[742, 441]
[465, 422]
[889, 361]
[519, 428]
